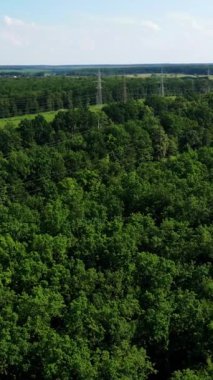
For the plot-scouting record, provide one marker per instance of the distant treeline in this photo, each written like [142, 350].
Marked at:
[32, 95]
[189, 69]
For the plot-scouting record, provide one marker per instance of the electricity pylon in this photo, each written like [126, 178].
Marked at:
[99, 97]
[208, 81]
[125, 96]
[162, 87]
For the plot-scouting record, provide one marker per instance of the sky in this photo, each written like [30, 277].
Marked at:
[57, 32]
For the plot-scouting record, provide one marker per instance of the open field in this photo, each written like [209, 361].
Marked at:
[166, 75]
[49, 116]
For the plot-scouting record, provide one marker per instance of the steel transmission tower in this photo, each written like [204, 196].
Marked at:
[162, 86]
[99, 97]
[208, 81]
[125, 96]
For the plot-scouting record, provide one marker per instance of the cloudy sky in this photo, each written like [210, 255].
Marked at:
[105, 31]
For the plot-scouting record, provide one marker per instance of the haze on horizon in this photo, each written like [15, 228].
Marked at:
[105, 32]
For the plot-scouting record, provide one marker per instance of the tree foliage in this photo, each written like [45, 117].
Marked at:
[106, 243]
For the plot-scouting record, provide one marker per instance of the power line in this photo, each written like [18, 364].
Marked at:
[43, 107]
[162, 89]
[99, 99]
[125, 96]
[208, 81]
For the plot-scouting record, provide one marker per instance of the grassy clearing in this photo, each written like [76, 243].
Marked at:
[49, 116]
[96, 108]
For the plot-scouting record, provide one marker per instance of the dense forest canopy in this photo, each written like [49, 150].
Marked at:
[106, 242]
[20, 96]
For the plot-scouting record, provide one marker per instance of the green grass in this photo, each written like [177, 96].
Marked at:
[96, 108]
[49, 116]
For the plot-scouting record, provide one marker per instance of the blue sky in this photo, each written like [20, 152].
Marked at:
[105, 31]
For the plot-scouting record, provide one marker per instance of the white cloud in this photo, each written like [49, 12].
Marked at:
[191, 22]
[11, 38]
[122, 20]
[89, 38]
[131, 21]
[151, 25]
[15, 32]
[14, 22]
[186, 20]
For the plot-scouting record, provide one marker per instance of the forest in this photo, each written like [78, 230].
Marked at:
[88, 70]
[106, 240]
[20, 96]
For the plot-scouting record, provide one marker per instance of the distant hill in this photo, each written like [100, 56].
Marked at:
[41, 70]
